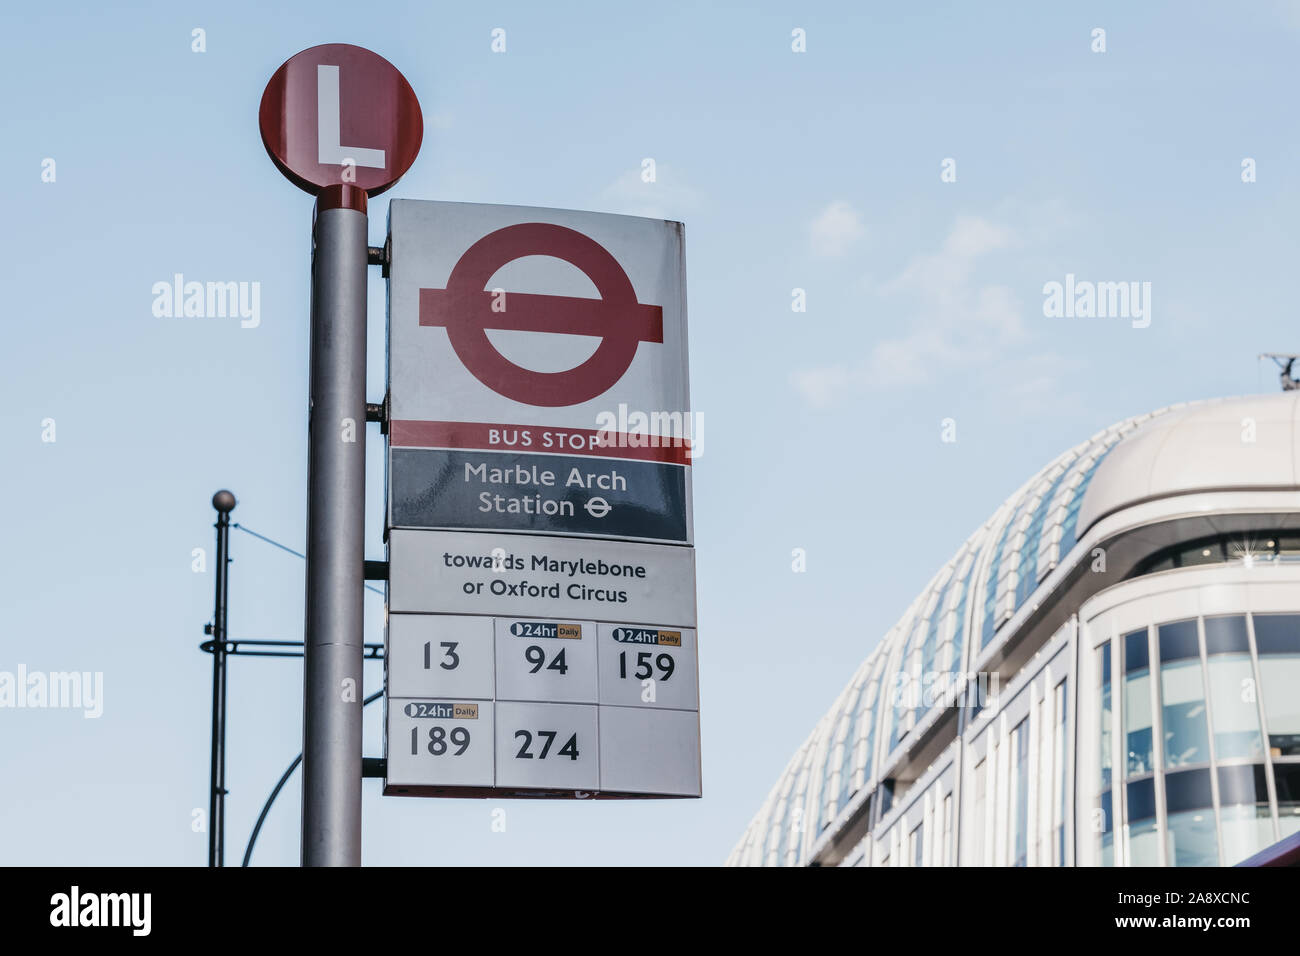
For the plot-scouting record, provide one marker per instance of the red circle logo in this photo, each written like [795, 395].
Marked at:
[467, 310]
[338, 113]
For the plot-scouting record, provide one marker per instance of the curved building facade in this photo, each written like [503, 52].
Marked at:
[1107, 673]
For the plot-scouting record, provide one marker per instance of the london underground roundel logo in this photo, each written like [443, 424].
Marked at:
[466, 309]
[339, 113]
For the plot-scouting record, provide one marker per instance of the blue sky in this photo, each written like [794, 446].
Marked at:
[818, 171]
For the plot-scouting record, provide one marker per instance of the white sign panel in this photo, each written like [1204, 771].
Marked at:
[546, 660]
[641, 738]
[537, 372]
[547, 746]
[518, 316]
[446, 743]
[436, 655]
[642, 666]
[526, 575]
[650, 751]
[541, 577]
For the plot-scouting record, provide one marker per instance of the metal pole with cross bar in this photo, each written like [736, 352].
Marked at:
[224, 503]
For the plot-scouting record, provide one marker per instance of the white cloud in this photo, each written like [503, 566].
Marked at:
[836, 228]
[1288, 12]
[821, 386]
[955, 320]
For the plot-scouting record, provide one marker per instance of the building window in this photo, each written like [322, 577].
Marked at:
[1182, 695]
[1263, 547]
[1141, 834]
[1104, 827]
[1189, 803]
[930, 649]
[861, 739]
[1027, 578]
[1246, 821]
[1286, 780]
[1069, 527]
[991, 588]
[1140, 757]
[1020, 793]
[784, 835]
[1059, 764]
[903, 687]
[956, 659]
[846, 783]
[885, 796]
[1232, 689]
[1277, 637]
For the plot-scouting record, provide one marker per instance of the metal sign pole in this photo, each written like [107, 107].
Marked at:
[224, 503]
[332, 691]
[301, 118]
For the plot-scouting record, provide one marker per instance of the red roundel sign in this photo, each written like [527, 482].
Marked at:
[467, 310]
[338, 113]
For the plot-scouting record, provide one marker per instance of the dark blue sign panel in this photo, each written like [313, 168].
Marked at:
[553, 494]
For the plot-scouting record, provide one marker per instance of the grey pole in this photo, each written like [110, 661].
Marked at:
[332, 691]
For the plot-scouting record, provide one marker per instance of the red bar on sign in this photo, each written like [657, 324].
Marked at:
[406, 433]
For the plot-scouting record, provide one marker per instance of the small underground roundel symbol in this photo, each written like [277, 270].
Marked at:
[464, 309]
